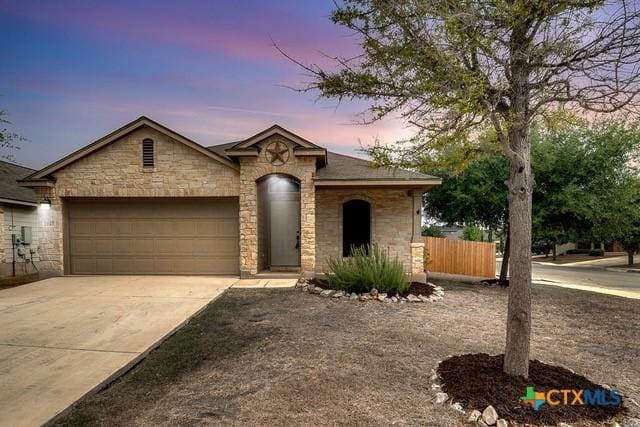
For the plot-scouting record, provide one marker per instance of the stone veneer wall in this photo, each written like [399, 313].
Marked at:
[254, 168]
[116, 171]
[391, 222]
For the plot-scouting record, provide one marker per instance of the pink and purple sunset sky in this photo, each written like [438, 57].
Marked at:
[73, 71]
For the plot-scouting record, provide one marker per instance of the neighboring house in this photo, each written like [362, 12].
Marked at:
[453, 232]
[146, 200]
[18, 216]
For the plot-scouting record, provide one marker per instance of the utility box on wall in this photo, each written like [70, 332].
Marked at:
[26, 235]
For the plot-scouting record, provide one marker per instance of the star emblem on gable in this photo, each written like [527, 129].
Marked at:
[277, 153]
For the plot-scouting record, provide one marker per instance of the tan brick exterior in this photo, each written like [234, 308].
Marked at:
[116, 171]
[251, 170]
[391, 222]
[180, 171]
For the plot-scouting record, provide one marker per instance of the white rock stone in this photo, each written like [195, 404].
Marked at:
[327, 292]
[394, 299]
[338, 294]
[353, 296]
[489, 415]
[413, 298]
[441, 397]
[381, 297]
[374, 292]
[481, 423]
[474, 416]
[423, 298]
[563, 425]
[435, 386]
[457, 408]
[631, 422]
[363, 297]
[502, 423]
[389, 300]
[612, 424]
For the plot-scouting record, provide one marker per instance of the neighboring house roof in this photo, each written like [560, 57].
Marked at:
[9, 188]
[116, 135]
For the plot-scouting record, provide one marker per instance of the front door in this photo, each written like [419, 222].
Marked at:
[285, 230]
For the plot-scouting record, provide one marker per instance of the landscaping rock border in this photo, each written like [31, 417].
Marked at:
[374, 295]
[489, 416]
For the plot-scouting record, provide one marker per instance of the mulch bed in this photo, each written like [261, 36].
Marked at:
[416, 288]
[477, 381]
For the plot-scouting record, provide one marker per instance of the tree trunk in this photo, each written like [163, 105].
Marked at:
[504, 268]
[555, 250]
[520, 187]
[630, 256]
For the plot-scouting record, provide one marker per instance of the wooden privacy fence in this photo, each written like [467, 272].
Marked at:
[460, 257]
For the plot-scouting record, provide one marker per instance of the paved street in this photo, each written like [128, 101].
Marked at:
[587, 278]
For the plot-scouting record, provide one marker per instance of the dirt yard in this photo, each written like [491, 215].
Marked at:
[281, 357]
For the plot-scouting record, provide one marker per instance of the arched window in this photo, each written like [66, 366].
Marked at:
[148, 157]
[356, 225]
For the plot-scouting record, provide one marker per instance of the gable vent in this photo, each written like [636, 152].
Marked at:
[147, 153]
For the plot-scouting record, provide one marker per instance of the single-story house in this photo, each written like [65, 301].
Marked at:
[18, 221]
[147, 200]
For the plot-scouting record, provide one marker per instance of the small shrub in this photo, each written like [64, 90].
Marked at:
[472, 233]
[596, 252]
[432, 231]
[367, 268]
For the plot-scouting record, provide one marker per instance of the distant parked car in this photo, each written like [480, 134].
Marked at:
[540, 248]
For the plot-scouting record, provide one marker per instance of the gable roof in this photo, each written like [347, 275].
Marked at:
[142, 121]
[343, 168]
[10, 173]
[275, 129]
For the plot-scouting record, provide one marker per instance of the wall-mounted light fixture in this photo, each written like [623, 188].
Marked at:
[45, 203]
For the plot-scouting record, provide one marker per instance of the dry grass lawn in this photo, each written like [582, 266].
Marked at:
[279, 357]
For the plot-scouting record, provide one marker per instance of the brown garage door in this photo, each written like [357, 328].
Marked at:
[142, 236]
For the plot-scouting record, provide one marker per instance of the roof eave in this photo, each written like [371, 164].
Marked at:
[380, 182]
[119, 133]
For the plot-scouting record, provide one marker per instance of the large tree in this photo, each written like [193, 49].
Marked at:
[449, 66]
[8, 140]
[585, 180]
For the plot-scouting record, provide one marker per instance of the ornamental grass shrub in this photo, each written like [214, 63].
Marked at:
[368, 267]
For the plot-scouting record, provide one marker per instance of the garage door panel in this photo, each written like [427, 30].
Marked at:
[81, 227]
[168, 236]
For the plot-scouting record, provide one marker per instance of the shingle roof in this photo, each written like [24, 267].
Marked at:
[219, 149]
[343, 167]
[9, 188]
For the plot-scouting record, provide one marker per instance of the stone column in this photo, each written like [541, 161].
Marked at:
[307, 227]
[417, 241]
[248, 218]
[50, 233]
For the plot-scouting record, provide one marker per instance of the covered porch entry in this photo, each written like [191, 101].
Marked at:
[278, 223]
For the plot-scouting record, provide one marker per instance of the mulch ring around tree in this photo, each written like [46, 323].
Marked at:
[417, 292]
[477, 381]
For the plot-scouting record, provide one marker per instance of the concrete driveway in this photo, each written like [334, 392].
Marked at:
[60, 338]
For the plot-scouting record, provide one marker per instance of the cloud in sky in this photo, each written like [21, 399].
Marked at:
[74, 70]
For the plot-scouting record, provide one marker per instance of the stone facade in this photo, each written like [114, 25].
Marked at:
[251, 170]
[116, 171]
[391, 222]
